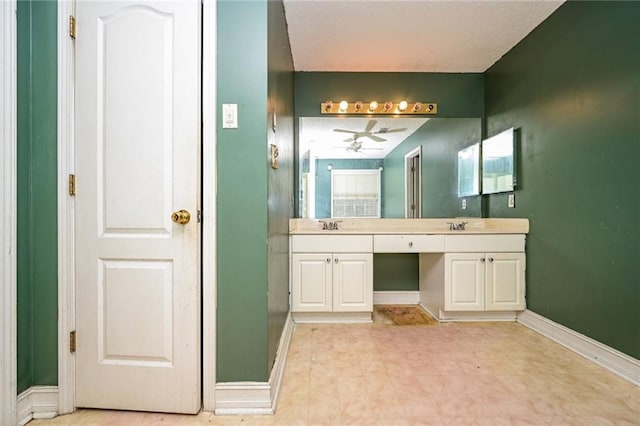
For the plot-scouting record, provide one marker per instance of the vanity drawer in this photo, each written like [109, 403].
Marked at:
[484, 243]
[407, 243]
[331, 244]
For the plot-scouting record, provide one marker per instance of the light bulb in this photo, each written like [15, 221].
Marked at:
[373, 105]
[358, 106]
[343, 106]
[417, 107]
[402, 105]
[387, 106]
[327, 106]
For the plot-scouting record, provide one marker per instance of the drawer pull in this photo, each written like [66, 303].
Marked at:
[328, 260]
[410, 243]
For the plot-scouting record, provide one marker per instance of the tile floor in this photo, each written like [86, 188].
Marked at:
[447, 374]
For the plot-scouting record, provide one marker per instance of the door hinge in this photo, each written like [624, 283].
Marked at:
[72, 341]
[199, 215]
[72, 27]
[72, 184]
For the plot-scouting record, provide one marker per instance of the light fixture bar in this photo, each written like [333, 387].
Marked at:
[379, 108]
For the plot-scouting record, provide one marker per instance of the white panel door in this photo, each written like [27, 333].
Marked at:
[464, 282]
[505, 282]
[353, 282]
[311, 282]
[137, 161]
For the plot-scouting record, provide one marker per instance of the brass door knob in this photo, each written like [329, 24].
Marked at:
[181, 216]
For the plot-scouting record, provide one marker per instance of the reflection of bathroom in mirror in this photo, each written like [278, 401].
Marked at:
[498, 171]
[396, 148]
[469, 171]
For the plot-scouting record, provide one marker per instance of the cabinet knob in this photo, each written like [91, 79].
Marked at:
[410, 243]
[335, 260]
[328, 260]
[491, 259]
[482, 260]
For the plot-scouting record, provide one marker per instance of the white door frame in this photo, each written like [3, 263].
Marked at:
[66, 207]
[8, 227]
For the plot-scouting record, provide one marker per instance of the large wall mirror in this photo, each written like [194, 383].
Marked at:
[381, 166]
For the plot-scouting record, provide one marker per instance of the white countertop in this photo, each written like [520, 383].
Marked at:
[410, 226]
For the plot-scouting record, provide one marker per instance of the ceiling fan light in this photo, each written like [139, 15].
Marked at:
[417, 107]
[343, 106]
[402, 105]
[373, 105]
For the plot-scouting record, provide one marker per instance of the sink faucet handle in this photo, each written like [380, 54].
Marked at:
[452, 226]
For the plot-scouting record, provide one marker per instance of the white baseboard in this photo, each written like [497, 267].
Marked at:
[37, 402]
[256, 397]
[332, 317]
[615, 361]
[396, 297]
[477, 316]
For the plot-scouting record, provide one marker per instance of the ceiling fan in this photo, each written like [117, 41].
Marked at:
[369, 133]
[356, 146]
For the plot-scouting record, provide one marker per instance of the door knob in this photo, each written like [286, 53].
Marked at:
[181, 216]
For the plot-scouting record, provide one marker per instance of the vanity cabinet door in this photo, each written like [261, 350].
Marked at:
[464, 278]
[311, 282]
[353, 282]
[505, 281]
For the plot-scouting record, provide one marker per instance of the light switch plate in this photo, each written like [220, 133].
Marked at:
[229, 116]
[464, 204]
[512, 201]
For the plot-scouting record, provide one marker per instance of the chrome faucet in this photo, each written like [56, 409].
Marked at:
[457, 226]
[330, 226]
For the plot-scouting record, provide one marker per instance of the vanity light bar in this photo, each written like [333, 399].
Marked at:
[374, 107]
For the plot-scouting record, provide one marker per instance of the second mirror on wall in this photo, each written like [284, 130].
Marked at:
[498, 165]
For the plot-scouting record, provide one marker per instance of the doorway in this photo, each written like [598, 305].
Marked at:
[413, 183]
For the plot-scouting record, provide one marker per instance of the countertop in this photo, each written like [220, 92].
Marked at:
[410, 226]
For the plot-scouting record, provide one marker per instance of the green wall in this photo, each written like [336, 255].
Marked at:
[280, 181]
[572, 87]
[37, 203]
[440, 139]
[254, 201]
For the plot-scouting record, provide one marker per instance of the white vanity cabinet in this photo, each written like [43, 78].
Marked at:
[484, 281]
[478, 277]
[331, 273]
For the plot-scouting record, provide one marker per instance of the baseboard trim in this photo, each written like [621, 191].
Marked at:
[613, 360]
[253, 398]
[396, 297]
[37, 402]
[332, 317]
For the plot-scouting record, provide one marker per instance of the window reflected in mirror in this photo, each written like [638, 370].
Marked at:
[498, 171]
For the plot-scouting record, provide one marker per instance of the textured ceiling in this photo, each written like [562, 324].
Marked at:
[408, 36]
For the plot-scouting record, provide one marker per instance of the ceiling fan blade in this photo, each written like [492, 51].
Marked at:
[344, 131]
[370, 125]
[396, 130]
[349, 140]
[376, 138]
